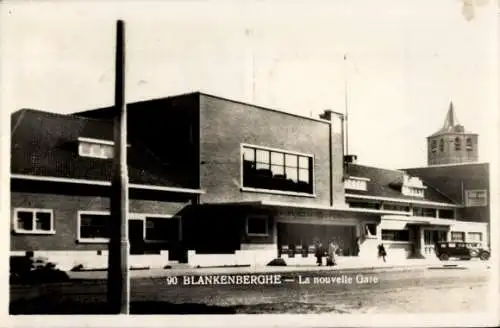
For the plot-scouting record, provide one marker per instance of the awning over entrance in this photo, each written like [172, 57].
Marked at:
[306, 211]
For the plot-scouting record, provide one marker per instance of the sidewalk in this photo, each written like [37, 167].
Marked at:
[344, 264]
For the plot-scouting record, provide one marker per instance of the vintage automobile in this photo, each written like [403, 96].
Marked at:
[463, 250]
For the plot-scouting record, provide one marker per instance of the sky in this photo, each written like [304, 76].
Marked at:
[406, 60]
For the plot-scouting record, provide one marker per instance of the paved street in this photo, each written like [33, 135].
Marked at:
[438, 289]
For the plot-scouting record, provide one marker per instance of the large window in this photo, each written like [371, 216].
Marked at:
[441, 145]
[468, 144]
[35, 221]
[374, 206]
[433, 236]
[396, 207]
[162, 229]
[257, 226]
[447, 214]
[474, 237]
[424, 211]
[93, 227]
[457, 236]
[395, 235]
[95, 148]
[276, 170]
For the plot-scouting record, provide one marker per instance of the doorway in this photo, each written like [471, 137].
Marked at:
[136, 236]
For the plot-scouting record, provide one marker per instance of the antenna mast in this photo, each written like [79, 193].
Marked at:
[346, 104]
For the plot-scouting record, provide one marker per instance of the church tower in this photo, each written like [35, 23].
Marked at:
[452, 144]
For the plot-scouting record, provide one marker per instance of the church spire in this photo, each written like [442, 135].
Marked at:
[450, 120]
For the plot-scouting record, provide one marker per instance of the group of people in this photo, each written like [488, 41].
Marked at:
[332, 250]
[319, 253]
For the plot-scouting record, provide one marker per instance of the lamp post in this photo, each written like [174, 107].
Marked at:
[118, 291]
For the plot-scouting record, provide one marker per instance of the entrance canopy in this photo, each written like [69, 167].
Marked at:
[306, 210]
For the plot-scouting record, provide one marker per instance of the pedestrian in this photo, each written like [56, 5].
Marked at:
[319, 252]
[381, 251]
[331, 254]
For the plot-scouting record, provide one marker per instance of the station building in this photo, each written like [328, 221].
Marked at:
[214, 181]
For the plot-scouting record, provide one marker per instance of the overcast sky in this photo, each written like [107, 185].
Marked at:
[406, 61]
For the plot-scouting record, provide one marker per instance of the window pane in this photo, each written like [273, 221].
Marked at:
[262, 156]
[277, 170]
[262, 166]
[43, 221]
[248, 154]
[93, 226]
[304, 162]
[291, 173]
[304, 175]
[257, 225]
[291, 160]
[107, 151]
[85, 148]
[95, 150]
[277, 158]
[25, 220]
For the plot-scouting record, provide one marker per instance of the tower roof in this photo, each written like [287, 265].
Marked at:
[451, 124]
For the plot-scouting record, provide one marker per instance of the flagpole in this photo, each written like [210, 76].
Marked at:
[118, 291]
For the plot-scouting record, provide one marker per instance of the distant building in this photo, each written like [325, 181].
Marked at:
[452, 144]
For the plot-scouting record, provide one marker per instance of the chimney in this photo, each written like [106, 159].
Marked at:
[327, 115]
[350, 159]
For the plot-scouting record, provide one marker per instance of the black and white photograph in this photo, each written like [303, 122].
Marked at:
[250, 163]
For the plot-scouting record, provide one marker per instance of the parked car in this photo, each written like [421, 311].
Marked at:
[463, 250]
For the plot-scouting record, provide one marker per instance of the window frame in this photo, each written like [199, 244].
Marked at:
[311, 169]
[457, 143]
[260, 217]
[145, 217]
[34, 231]
[457, 232]
[95, 142]
[81, 240]
[395, 231]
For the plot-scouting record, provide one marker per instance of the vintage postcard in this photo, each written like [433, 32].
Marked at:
[194, 163]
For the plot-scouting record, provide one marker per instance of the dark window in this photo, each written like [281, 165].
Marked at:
[447, 214]
[434, 145]
[33, 220]
[433, 236]
[257, 226]
[371, 229]
[458, 143]
[468, 144]
[395, 235]
[94, 226]
[373, 206]
[274, 170]
[441, 145]
[423, 211]
[162, 229]
[394, 207]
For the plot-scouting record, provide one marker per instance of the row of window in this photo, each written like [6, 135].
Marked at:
[431, 236]
[417, 211]
[457, 143]
[94, 226]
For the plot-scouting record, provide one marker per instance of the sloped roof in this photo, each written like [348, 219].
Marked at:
[387, 183]
[46, 144]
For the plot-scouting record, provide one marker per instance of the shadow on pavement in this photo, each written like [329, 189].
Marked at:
[45, 305]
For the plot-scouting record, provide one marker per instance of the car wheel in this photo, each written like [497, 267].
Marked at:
[484, 256]
[444, 257]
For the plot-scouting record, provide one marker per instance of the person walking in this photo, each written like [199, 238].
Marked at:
[332, 248]
[319, 252]
[381, 251]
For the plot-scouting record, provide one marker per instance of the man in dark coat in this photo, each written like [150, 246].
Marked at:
[319, 252]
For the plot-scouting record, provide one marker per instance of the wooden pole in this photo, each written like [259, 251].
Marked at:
[118, 270]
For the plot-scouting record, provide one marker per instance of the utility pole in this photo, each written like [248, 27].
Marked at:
[118, 270]
[346, 103]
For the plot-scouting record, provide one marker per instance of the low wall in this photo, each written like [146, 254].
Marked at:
[66, 260]
[250, 254]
